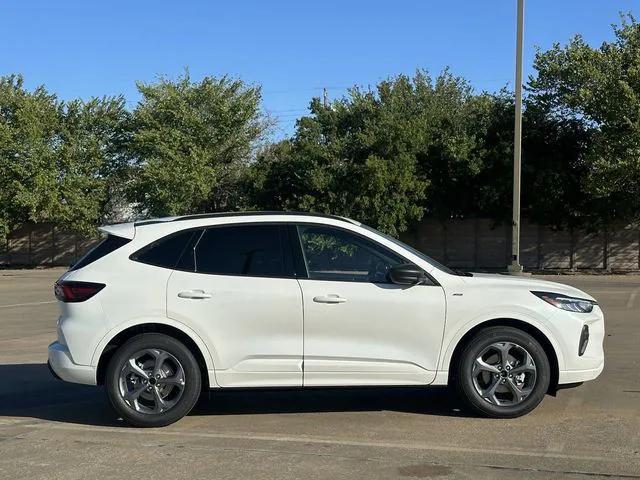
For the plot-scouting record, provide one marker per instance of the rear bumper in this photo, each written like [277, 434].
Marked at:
[62, 366]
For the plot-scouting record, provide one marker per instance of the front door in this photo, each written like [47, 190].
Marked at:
[239, 293]
[360, 329]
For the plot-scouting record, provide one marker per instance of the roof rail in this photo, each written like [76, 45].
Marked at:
[240, 214]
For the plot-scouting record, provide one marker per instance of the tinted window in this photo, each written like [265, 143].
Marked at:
[255, 250]
[167, 251]
[105, 247]
[418, 253]
[334, 254]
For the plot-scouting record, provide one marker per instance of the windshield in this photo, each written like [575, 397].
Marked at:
[418, 253]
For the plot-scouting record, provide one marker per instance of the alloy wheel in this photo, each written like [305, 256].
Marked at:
[151, 381]
[504, 374]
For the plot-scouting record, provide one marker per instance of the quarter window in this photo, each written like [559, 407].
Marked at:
[252, 250]
[108, 245]
[335, 254]
[169, 251]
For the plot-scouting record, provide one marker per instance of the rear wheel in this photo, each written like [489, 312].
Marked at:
[503, 372]
[153, 380]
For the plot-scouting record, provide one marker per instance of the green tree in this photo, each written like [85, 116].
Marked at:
[58, 161]
[553, 165]
[191, 144]
[555, 168]
[29, 126]
[93, 165]
[453, 123]
[418, 145]
[384, 157]
[600, 89]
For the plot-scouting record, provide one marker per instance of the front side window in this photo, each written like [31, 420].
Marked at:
[335, 254]
[251, 250]
[417, 253]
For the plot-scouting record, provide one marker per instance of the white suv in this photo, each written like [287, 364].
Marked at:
[164, 308]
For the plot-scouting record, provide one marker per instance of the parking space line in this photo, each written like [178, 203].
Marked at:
[326, 441]
[632, 298]
[13, 305]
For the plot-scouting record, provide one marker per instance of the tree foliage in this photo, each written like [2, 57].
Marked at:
[191, 143]
[412, 146]
[59, 162]
[384, 156]
[599, 89]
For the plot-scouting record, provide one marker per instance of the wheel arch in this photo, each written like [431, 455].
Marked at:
[529, 328]
[116, 340]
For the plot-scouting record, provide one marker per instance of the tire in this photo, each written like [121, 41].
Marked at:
[522, 381]
[163, 399]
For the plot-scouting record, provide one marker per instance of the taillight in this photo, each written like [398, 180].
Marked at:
[76, 291]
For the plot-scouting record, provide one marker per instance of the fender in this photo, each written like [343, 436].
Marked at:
[450, 344]
[163, 321]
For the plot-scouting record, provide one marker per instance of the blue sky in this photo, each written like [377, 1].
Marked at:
[292, 48]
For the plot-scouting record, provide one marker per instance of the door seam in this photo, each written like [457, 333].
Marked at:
[303, 338]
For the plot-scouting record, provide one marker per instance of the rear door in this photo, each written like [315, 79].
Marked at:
[359, 328]
[235, 286]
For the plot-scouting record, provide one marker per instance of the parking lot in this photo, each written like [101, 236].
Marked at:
[50, 429]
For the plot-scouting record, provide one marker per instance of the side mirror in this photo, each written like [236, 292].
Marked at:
[407, 274]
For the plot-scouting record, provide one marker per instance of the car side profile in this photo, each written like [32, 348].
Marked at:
[162, 309]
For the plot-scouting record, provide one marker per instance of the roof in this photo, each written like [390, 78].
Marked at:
[127, 230]
[239, 214]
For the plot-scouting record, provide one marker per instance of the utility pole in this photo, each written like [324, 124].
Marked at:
[515, 266]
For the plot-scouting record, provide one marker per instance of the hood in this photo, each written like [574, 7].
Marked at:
[526, 282]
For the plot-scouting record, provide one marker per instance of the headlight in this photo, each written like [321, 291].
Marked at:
[570, 304]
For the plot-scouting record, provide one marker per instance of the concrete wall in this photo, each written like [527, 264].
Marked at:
[469, 243]
[482, 244]
[43, 244]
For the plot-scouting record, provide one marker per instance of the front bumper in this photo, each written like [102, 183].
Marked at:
[62, 366]
[579, 376]
[581, 367]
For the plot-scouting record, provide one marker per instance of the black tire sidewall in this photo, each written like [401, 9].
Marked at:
[193, 380]
[484, 338]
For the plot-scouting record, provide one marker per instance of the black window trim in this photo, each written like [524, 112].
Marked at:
[304, 275]
[300, 266]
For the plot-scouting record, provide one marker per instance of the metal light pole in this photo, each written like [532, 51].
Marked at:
[515, 266]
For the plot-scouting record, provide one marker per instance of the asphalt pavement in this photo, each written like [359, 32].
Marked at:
[50, 429]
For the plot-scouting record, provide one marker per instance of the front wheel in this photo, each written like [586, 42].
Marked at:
[503, 372]
[153, 380]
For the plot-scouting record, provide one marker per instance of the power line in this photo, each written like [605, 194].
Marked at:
[289, 110]
[307, 89]
[291, 115]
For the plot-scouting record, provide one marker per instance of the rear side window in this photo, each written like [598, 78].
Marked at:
[251, 250]
[105, 247]
[168, 251]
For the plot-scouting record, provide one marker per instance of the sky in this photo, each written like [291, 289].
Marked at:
[293, 49]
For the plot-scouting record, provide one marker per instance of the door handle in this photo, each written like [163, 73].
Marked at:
[195, 294]
[331, 298]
